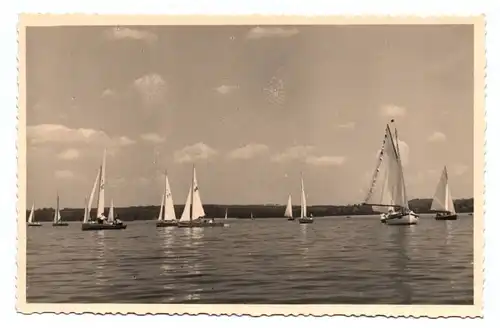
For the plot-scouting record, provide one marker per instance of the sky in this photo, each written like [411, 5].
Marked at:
[252, 107]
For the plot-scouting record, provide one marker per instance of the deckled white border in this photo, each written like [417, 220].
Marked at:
[7, 121]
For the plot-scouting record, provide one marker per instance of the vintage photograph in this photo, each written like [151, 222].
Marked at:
[238, 164]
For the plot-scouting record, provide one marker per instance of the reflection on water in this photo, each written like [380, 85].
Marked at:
[333, 261]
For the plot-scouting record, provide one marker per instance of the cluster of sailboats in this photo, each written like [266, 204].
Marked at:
[387, 195]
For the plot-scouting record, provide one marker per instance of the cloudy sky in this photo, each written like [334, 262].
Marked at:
[251, 106]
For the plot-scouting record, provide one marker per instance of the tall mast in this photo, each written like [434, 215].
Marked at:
[99, 182]
[192, 197]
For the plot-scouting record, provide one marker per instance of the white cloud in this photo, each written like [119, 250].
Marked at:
[64, 174]
[151, 87]
[120, 33]
[226, 89]
[325, 160]
[153, 138]
[392, 111]
[271, 32]
[348, 125]
[293, 153]
[199, 151]
[437, 137]
[107, 93]
[248, 151]
[69, 154]
[459, 169]
[44, 134]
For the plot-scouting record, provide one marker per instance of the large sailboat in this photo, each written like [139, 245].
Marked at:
[57, 221]
[289, 209]
[31, 218]
[442, 203]
[101, 222]
[167, 211]
[303, 205]
[388, 187]
[194, 215]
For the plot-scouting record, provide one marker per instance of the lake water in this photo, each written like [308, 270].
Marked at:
[333, 261]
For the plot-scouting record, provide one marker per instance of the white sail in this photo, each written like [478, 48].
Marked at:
[160, 216]
[169, 211]
[303, 202]
[111, 213]
[198, 210]
[442, 201]
[85, 211]
[225, 217]
[288, 210]
[31, 218]
[101, 199]
[91, 197]
[57, 213]
[387, 189]
[185, 217]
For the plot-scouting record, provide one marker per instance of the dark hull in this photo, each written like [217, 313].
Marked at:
[446, 217]
[305, 220]
[199, 224]
[60, 224]
[291, 219]
[34, 224]
[160, 224]
[99, 226]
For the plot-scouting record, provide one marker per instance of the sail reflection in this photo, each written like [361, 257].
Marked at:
[100, 248]
[399, 238]
[448, 232]
[167, 243]
[194, 242]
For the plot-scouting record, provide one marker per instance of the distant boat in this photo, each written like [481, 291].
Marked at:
[442, 203]
[57, 222]
[251, 216]
[225, 217]
[31, 218]
[288, 209]
[388, 187]
[101, 222]
[193, 214]
[303, 205]
[167, 211]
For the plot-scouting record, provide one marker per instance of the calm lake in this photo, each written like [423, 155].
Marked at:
[335, 260]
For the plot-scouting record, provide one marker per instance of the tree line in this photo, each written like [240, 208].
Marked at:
[245, 211]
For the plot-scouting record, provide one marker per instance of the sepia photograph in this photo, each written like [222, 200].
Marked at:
[251, 165]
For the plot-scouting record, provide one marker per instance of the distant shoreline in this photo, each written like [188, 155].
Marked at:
[150, 212]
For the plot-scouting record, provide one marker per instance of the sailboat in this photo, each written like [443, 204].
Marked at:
[303, 205]
[225, 216]
[251, 216]
[389, 212]
[442, 203]
[101, 222]
[388, 187]
[31, 218]
[167, 212]
[288, 209]
[193, 214]
[57, 222]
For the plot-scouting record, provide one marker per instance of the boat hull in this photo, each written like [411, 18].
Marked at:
[406, 219]
[199, 224]
[305, 220]
[101, 226]
[34, 224]
[291, 219]
[161, 224]
[60, 224]
[441, 217]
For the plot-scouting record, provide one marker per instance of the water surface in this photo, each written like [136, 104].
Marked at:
[336, 260]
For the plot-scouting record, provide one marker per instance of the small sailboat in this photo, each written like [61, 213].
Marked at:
[225, 216]
[57, 222]
[303, 205]
[288, 209]
[193, 214]
[101, 222]
[167, 212]
[251, 216]
[388, 187]
[31, 218]
[442, 203]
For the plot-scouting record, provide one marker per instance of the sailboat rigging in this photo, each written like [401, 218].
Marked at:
[57, 221]
[167, 211]
[442, 202]
[388, 187]
[303, 204]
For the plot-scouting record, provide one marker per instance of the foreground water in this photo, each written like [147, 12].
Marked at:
[335, 260]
